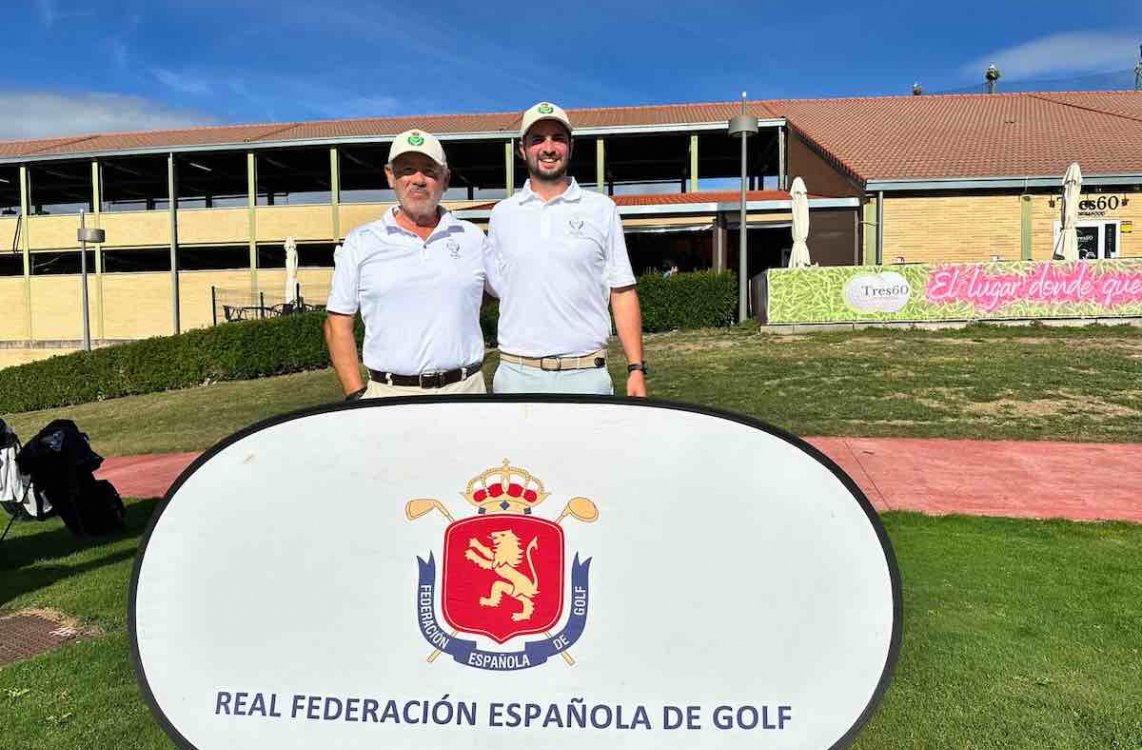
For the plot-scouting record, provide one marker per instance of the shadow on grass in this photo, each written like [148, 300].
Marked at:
[22, 557]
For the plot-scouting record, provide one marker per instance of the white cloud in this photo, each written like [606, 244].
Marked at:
[47, 114]
[185, 83]
[1061, 54]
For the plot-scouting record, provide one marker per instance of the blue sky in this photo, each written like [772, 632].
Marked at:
[77, 66]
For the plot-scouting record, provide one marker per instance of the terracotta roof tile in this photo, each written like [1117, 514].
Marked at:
[1008, 135]
[910, 137]
[371, 127]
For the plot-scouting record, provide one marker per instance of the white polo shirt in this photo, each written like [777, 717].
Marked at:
[558, 262]
[419, 299]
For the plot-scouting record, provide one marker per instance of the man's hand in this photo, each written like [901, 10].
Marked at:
[636, 384]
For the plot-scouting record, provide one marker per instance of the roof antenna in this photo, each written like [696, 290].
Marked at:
[992, 75]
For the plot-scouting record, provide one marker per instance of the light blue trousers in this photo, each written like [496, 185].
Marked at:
[515, 378]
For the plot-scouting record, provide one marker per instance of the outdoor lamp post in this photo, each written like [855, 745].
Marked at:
[85, 235]
[743, 126]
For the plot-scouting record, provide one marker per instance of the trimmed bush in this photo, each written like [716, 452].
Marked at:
[276, 346]
[702, 299]
[235, 351]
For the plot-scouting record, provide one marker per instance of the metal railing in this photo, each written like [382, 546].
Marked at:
[233, 305]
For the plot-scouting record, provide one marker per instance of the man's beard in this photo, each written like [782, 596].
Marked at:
[535, 174]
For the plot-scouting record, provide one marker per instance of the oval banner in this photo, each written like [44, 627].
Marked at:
[517, 572]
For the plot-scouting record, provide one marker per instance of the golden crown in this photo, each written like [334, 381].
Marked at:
[505, 489]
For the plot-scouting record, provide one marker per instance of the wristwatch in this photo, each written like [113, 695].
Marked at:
[356, 395]
[638, 366]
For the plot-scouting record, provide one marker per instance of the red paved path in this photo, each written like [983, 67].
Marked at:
[1081, 481]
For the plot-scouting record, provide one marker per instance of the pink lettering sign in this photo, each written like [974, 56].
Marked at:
[1046, 284]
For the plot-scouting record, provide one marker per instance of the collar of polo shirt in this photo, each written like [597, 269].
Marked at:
[448, 223]
[572, 193]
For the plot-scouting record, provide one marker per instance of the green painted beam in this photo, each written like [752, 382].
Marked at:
[96, 217]
[509, 166]
[335, 191]
[25, 245]
[869, 219]
[172, 199]
[694, 163]
[601, 165]
[26, 251]
[252, 207]
[1025, 226]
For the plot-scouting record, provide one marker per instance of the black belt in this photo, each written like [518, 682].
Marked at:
[427, 379]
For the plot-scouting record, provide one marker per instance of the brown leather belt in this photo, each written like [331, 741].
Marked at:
[428, 379]
[589, 361]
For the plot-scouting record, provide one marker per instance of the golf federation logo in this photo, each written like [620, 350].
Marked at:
[575, 226]
[453, 249]
[416, 139]
[503, 574]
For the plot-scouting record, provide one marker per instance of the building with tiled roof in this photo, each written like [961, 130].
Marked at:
[916, 178]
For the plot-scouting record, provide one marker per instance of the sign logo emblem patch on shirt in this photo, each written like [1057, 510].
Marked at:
[575, 223]
[453, 249]
[503, 574]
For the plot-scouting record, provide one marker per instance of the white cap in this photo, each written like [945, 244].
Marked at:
[543, 111]
[420, 142]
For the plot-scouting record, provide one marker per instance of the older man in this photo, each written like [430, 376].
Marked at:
[563, 258]
[417, 275]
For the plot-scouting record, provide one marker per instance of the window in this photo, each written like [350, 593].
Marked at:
[1098, 240]
[64, 262]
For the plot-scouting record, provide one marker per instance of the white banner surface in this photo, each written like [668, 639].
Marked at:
[521, 572]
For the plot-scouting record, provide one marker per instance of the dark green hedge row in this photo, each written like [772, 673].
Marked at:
[702, 299]
[258, 348]
[235, 351]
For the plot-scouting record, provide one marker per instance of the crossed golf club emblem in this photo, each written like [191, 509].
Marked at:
[580, 508]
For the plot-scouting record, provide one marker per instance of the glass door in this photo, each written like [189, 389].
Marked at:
[1098, 240]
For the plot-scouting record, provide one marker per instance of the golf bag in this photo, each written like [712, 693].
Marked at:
[17, 495]
[61, 464]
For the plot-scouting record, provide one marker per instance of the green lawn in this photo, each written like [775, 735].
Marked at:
[1036, 383]
[1017, 634]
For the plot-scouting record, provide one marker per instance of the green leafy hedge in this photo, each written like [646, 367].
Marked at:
[702, 299]
[259, 348]
[235, 351]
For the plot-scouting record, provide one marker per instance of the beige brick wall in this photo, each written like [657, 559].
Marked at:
[56, 311]
[354, 215]
[13, 309]
[314, 283]
[137, 228]
[951, 229]
[53, 232]
[194, 294]
[275, 223]
[13, 357]
[209, 226]
[136, 305]
[1044, 217]
[8, 233]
